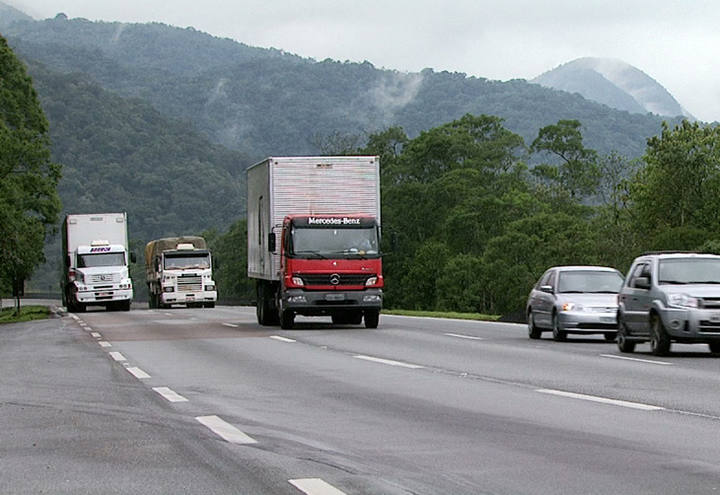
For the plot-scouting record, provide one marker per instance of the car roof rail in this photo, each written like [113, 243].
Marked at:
[685, 251]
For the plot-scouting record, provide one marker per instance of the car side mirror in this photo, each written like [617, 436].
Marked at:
[271, 242]
[546, 288]
[642, 283]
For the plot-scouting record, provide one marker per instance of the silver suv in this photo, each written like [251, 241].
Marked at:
[670, 297]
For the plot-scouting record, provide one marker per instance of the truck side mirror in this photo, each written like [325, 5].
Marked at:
[133, 258]
[67, 260]
[271, 242]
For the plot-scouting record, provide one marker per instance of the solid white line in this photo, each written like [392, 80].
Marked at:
[169, 394]
[117, 356]
[104, 344]
[460, 336]
[225, 430]
[603, 400]
[613, 356]
[96, 335]
[315, 486]
[282, 339]
[232, 325]
[138, 373]
[389, 361]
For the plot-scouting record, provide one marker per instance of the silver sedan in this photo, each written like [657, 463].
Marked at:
[574, 300]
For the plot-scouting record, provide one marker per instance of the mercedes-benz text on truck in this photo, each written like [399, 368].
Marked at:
[179, 271]
[314, 238]
[95, 265]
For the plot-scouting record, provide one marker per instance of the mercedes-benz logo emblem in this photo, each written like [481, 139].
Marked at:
[334, 279]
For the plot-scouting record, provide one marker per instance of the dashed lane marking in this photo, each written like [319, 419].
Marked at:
[637, 360]
[137, 372]
[461, 336]
[225, 430]
[117, 356]
[170, 395]
[602, 400]
[282, 339]
[315, 486]
[104, 343]
[96, 335]
[231, 325]
[389, 362]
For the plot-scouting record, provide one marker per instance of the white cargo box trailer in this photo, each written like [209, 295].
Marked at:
[305, 185]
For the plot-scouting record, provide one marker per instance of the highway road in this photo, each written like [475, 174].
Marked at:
[207, 401]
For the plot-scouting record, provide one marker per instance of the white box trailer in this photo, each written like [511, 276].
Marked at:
[320, 202]
[95, 264]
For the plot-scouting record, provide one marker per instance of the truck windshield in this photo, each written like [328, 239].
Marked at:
[590, 281]
[334, 242]
[178, 262]
[689, 271]
[101, 259]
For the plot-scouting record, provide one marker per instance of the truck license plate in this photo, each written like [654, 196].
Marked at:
[190, 297]
[104, 294]
[334, 297]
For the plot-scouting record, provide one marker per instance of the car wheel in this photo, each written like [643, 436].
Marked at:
[558, 334]
[533, 331]
[624, 345]
[610, 336]
[714, 347]
[659, 339]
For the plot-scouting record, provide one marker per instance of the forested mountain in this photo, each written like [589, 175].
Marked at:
[614, 83]
[8, 15]
[265, 101]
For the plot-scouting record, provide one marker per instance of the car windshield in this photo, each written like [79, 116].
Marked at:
[689, 271]
[180, 262]
[102, 259]
[335, 242]
[581, 281]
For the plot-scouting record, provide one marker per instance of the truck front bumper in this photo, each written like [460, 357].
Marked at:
[314, 303]
[188, 297]
[103, 296]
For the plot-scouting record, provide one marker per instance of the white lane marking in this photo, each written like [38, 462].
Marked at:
[315, 486]
[389, 361]
[104, 343]
[603, 400]
[231, 325]
[225, 430]
[170, 395]
[282, 339]
[74, 317]
[117, 356]
[137, 372]
[96, 335]
[460, 336]
[613, 356]
[168, 314]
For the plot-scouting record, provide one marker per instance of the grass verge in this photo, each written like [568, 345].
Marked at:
[441, 314]
[27, 313]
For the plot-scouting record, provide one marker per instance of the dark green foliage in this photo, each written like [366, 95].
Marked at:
[29, 203]
[230, 259]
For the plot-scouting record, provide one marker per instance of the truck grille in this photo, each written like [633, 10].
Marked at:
[189, 283]
[100, 278]
[710, 303]
[342, 278]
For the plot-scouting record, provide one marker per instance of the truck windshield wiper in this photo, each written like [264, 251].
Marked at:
[704, 282]
[673, 282]
[572, 292]
[316, 253]
[603, 292]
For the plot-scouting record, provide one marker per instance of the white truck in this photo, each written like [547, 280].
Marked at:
[314, 238]
[179, 271]
[95, 265]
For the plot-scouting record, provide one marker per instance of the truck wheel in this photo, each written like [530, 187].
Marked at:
[79, 307]
[210, 304]
[265, 309]
[714, 347]
[287, 319]
[372, 318]
[125, 305]
[659, 339]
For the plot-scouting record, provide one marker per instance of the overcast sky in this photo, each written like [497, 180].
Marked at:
[676, 42]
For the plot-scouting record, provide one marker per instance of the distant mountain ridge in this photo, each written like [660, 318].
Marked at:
[613, 83]
[9, 14]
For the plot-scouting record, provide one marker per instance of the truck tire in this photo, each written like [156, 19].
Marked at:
[287, 319]
[265, 309]
[372, 318]
[125, 305]
[210, 304]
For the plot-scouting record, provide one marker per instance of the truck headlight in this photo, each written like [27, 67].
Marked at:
[209, 288]
[682, 301]
[297, 281]
[169, 289]
[371, 281]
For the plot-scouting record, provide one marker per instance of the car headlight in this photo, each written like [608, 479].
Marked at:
[682, 301]
[572, 307]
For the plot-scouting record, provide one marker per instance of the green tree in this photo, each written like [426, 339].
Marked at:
[229, 251]
[29, 204]
[578, 172]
